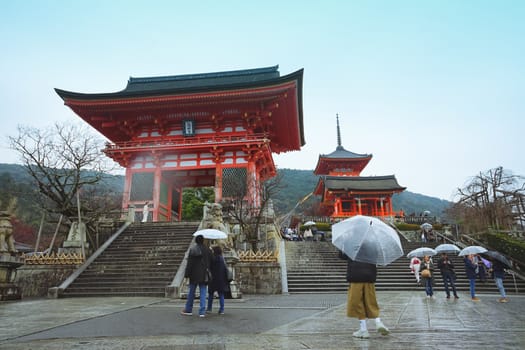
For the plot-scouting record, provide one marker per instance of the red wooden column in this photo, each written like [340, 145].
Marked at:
[157, 177]
[251, 178]
[127, 189]
[218, 182]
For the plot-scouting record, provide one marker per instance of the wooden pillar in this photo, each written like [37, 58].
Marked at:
[359, 206]
[381, 199]
[218, 182]
[157, 177]
[251, 179]
[127, 190]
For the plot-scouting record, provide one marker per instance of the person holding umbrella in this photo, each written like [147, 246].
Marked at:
[219, 282]
[498, 272]
[362, 302]
[427, 267]
[470, 269]
[446, 267]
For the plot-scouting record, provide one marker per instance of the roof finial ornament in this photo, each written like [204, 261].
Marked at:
[338, 133]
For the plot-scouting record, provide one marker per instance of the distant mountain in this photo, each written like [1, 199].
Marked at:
[296, 185]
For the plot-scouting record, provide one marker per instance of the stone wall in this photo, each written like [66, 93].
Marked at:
[259, 277]
[34, 280]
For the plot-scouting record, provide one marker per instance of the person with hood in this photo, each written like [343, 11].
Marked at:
[197, 271]
[362, 302]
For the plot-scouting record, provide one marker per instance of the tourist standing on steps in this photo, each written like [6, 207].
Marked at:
[470, 269]
[415, 265]
[145, 212]
[361, 301]
[197, 268]
[446, 267]
[219, 282]
[427, 270]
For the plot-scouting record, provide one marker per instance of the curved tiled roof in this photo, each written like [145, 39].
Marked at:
[341, 153]
[362, 183]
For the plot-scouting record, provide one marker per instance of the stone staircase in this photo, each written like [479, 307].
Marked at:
[314, 267]
[142, 261]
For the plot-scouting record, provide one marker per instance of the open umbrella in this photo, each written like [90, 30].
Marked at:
[498, 256]
[421, 252]
[211, 233]
[447, 248]
[473, 249]
[309, 223]
[426, 226]
[367, 239]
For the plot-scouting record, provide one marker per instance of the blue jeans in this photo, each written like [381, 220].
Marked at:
[448, 280]
[191, 296]
[499, 284]
[428, 286]
[472, 287]
[221, 301]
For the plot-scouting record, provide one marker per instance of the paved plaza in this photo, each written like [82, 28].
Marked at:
[296, 321]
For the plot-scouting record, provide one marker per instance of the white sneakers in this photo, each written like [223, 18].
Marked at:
[361, 334]
[381, 328]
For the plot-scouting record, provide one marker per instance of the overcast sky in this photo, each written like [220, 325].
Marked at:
[433, 89]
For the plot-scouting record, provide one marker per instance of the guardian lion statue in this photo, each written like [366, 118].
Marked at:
[212, 218]
[6, 234]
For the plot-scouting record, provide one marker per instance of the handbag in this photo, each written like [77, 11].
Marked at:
[229, 274]
[207, 276]
[426, 273]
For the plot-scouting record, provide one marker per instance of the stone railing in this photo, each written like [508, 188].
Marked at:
[53, 259]
[259, 256]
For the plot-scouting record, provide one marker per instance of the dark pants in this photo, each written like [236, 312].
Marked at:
[449, 281]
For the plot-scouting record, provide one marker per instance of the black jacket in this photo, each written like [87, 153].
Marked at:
[359, 271]
[199, 259]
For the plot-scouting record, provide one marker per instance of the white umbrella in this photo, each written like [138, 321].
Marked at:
[367, 239]
[309, 223]
[211, 233]
[473, 249]
[426, 226]
[421, 252]
[447, 248]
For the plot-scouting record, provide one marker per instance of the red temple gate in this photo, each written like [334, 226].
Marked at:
[196, 130]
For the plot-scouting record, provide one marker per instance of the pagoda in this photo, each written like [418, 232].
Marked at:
[344, 193]
[195, 130]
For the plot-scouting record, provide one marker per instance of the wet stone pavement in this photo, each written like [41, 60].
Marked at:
[295, 321]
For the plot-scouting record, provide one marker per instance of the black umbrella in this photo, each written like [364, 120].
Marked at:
[498, 256]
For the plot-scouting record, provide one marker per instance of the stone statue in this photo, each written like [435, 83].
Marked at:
[77, 234]
[212, 218]
[7, 241]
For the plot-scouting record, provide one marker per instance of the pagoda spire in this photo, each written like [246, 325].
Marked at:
[339, 146]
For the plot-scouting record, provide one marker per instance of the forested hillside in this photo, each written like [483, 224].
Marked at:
[295, 185]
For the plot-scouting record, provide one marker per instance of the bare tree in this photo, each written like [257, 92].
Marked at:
[493, 199]
[248, 216]
[65, 160]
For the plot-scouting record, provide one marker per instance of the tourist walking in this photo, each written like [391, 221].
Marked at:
[145, 212]
[498, 272]
[446, 267]
[427, 267]
[361, 300]
[415, 265]
[470, 269]
[219, 282]
[197, 269]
